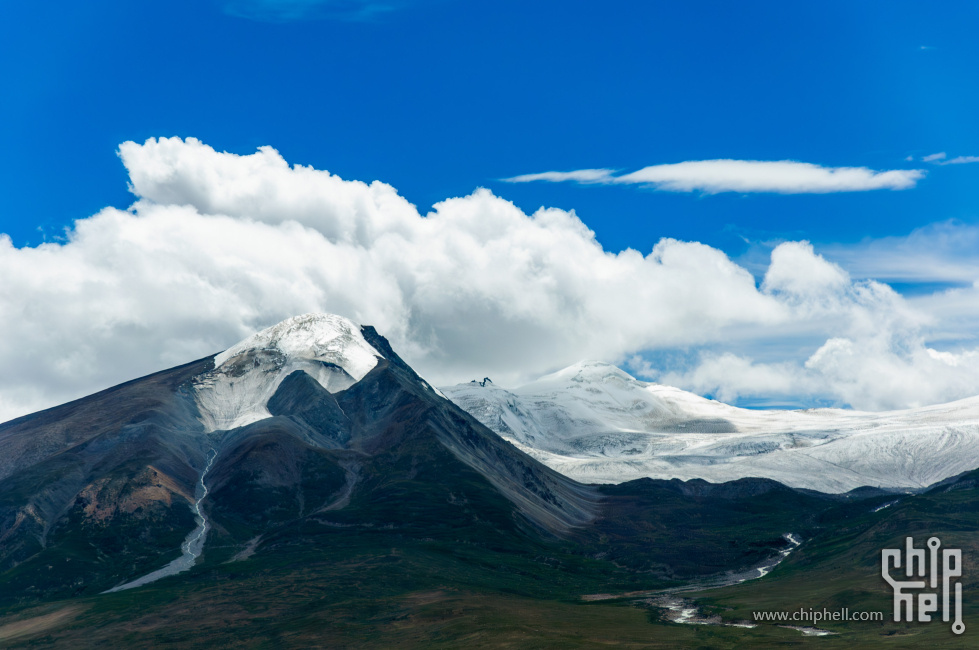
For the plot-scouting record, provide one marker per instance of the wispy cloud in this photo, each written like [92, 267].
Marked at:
[579, 176]
[282, 11]
[960, 160]
[943, 253]
[942, 158]
[744, 176]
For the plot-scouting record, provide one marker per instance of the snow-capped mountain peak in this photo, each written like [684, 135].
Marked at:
[596, 423]
[588, 371]
[330, 348]
[322, 337]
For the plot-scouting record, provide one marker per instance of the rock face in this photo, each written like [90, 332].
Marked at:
[597, 424]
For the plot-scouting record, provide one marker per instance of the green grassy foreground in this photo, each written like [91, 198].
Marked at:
[328, 586]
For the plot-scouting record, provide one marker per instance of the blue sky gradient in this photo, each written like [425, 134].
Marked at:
[437, 98]
[440, 97]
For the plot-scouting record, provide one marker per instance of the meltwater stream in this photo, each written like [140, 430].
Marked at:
[191, 547]
[737, 577]
[682, 610]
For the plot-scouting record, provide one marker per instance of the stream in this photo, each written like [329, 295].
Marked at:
[681, 610]
[715, 581]
[736, 577]
[191, 548]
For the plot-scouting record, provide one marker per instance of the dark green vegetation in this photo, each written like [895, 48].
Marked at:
[841, 568]
[384, 516]
[679, 530]
[319, 583]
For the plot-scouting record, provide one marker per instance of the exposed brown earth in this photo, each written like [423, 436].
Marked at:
[37, 624]
[105, 498]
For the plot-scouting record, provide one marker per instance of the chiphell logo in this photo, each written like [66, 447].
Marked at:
[921, 564]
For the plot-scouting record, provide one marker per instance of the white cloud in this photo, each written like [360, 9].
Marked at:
[962, 160]
[219, 245]
[875, 373]
[878, 359]
[744, 176]
[728, 376]
[943, 252]
[584, 176]
[802, 277]
[940, 159]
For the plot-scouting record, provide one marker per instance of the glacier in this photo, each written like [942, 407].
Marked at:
[596, 423]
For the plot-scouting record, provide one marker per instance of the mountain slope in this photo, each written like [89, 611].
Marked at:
[597, 424]
[105, 482]
[842, 568]
[293, 420]
[349, 504]
[316, 426]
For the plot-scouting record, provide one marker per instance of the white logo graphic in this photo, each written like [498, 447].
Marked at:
[951, 567]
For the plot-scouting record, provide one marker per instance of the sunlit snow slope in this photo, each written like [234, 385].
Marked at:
[597, 424]
[329, 348]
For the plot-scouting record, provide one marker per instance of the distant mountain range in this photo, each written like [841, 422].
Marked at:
[311, 464]
[597, 424]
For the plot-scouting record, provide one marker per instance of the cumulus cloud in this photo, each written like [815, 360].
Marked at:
[743, 176]
[804, 277]
[879, 358]
[219, 245]
[874, 373]
[935, 157]
[728, 376]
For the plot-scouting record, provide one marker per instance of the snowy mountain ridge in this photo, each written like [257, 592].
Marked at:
[329, 348]
[597, 424]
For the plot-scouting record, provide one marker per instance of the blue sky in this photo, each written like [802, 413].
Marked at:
[440, 97]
